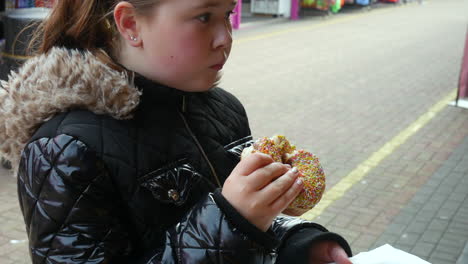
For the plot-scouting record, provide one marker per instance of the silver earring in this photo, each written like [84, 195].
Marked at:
[133, 38]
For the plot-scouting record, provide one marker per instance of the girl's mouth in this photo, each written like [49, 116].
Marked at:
[217, 67]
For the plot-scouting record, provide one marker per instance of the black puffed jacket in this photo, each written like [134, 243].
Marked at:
[99, 186]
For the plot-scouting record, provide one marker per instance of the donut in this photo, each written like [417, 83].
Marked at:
[308, 165]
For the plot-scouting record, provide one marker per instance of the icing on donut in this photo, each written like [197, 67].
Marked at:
[308, 165]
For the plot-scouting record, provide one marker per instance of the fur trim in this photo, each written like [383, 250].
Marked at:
[55, 82]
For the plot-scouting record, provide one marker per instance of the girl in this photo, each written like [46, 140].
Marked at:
[125, 153]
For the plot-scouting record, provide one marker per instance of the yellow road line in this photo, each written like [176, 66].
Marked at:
[339, 189]
[311, 27]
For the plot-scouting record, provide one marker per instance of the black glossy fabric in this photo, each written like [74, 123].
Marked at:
[93, 189]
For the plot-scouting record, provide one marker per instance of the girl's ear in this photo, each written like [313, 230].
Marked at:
[125, 19]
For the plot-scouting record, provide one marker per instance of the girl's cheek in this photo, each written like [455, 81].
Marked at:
[195, 43]
[171, 61]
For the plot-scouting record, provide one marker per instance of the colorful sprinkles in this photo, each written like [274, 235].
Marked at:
[281, 150]
[313, 178]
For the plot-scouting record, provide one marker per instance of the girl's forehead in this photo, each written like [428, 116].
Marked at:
[211, 3]
[173, 7]
[201, 4]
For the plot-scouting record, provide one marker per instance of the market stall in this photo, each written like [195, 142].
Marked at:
[271, 7]
[14, 4]
[18, 21]
[359, 2]
[323, 5]
[333, 6]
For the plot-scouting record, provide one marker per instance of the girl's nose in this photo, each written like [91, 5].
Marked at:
[223, 36]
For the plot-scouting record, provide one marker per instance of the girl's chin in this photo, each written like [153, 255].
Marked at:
[202, 85]
[208, 84]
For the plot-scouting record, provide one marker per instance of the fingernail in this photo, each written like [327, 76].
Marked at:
[299, 181]
[287, 166]
[294, 170]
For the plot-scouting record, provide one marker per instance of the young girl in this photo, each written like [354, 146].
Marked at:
[126, 153]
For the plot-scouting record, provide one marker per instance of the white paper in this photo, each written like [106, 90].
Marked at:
[386, 254]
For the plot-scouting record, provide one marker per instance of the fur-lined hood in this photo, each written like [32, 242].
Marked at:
[55, 82]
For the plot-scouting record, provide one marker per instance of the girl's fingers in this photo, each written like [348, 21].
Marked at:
[251, 163]
[264, 176]
[328, 251]
[338, 254]
[282, 189]
[284, 200]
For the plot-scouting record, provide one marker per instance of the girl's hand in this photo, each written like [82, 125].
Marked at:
[327, 252]
[260, 189]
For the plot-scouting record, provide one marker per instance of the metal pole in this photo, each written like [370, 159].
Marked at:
[463, 80]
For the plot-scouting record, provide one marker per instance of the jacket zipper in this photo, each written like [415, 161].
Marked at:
[198, 143]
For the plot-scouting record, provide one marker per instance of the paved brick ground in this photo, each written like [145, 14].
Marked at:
[464, 256]
[13, 245]
[433, 225]
[342, 87]
[408, 198]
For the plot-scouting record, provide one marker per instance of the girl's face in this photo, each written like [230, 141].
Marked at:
[186, 42]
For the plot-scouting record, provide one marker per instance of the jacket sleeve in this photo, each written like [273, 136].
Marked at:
[69, 205]
[214, 232]
[73, 215]
[297, 236]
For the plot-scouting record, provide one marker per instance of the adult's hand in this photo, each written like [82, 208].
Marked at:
[326, 252]
[261, 189]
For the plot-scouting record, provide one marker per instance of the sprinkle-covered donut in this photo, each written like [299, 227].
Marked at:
[310, 170]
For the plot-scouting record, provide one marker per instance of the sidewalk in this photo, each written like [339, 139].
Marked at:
[13, 239]
[344, 87]
[415, 200]
[433, 224]
[255, 20]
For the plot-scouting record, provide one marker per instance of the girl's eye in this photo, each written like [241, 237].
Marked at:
[205, 18]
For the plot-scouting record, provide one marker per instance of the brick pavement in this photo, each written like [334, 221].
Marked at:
[342, 87]
[390, 206]
[464, 256]
[13, 239]
[433, 225]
